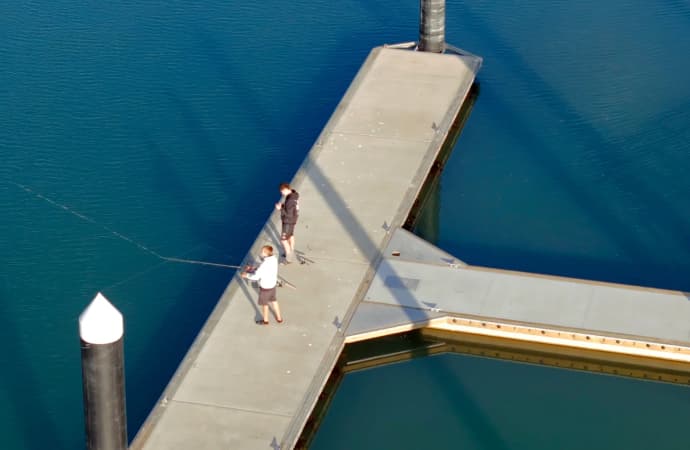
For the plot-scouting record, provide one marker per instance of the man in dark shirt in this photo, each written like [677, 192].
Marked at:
[289, 212]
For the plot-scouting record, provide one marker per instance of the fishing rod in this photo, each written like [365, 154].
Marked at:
[281, 281]
[202, 263]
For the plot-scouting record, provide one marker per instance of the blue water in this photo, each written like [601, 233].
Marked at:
[573, 162]
[575, 158]
[171, 123]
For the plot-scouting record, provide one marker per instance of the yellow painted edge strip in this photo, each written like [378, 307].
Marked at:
[576, 339]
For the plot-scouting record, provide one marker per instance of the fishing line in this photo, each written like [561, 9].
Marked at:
[139, 245]
[132, 277]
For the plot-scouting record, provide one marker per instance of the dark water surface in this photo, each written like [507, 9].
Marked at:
[575, 158]
[170, 123]
[574, 162]
[466, 402]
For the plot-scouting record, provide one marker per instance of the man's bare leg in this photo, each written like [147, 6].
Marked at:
[276, 311]
[292, 244]
[288, 249]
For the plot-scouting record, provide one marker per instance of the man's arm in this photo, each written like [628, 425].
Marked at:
[256, 275]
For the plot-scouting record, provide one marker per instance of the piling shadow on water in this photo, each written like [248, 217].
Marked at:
[455, 403]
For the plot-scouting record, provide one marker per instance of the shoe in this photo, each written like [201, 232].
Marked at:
[262, 322]
[279, 321]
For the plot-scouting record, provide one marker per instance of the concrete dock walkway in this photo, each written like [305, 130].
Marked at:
[246, 386]
[418, 285]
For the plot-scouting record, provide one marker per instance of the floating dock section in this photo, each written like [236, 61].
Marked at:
[254, 387]
[246, 386]
[420, 286]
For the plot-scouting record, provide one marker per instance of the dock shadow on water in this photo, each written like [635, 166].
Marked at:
[452, 382]
[456, 401]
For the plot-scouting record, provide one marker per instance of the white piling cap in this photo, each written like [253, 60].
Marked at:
[101, 322]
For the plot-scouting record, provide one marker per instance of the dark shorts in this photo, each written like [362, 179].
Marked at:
[266, 296]
[287, 231]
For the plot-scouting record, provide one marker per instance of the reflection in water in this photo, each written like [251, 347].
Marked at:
[473, 400]
[425, 215]
[427, 222]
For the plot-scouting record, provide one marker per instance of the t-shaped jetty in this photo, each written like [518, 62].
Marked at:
[246, 386]
[243, 386]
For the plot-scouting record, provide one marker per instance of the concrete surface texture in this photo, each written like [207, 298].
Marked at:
[246, 386]
[417, 283]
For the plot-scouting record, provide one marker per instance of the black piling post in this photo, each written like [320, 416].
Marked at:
[101, 330]
[432, 26]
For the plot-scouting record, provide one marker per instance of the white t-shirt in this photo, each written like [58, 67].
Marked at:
[266, 273]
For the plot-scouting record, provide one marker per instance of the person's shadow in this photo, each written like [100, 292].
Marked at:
[245, 286]
[274, 444]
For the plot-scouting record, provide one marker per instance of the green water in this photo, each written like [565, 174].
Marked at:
[457, 401]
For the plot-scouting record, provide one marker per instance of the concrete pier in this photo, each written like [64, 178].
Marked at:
[246, 386]
[418, 285]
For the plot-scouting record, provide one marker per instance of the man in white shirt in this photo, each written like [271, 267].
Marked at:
[267, 276]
